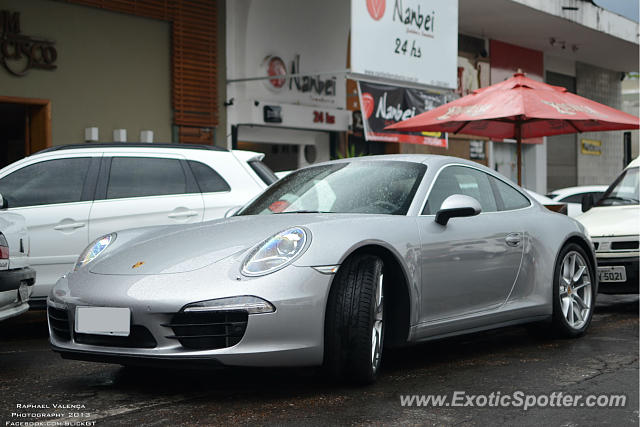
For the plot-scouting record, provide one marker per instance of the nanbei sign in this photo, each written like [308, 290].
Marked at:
[20, 53]
[413, 41]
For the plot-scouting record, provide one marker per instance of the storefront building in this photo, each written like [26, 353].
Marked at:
[104, 70]
[293, 120]
[322, 61]
[367, 64]
[305, 81]
[574, 44]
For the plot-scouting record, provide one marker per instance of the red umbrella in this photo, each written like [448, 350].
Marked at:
[520, 108]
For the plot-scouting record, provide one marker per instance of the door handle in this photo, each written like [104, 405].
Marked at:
[70, 226]
[184, 214]
[513, 239]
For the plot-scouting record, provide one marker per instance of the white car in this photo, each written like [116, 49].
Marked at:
[70, 195]
[572, 196]
[614, 225]
[16, 278]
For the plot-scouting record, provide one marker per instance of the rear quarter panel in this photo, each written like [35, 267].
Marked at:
[547, 233]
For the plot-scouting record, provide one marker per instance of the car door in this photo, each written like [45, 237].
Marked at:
[471, 264]
[54, 195]
[139, 191]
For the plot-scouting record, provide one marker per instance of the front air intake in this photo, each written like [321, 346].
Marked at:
[208, 330]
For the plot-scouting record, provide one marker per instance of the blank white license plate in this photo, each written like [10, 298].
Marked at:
[103, 321]
[612, 274]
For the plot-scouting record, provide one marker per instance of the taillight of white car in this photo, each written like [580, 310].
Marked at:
[4, 253]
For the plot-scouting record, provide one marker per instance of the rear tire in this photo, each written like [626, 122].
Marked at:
[354, 325]
[573, 292]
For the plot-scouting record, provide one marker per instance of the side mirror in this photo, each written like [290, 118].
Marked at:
[232, 211]
[587, 202]
[3, 203]
[457, 205]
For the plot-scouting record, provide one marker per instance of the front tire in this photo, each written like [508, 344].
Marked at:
[573, 292]
[354, 325]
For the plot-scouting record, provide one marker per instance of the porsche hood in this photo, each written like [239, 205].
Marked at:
[183, 248]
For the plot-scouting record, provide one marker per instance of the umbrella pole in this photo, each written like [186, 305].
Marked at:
[519, 148]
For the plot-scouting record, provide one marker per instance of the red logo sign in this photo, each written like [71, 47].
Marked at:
[376, 8]
[367, 104]
[276, 67]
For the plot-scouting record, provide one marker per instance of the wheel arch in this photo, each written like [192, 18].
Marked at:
[397, 298]
[581, 241]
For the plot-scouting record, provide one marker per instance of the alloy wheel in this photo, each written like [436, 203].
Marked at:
[376, 330]
[575, 290]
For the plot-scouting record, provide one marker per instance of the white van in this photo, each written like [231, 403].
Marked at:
[614, 225]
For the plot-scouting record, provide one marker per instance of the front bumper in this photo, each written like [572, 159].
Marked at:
[291, 336]
[631, 266]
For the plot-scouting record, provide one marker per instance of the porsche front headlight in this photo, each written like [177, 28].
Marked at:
[276, 252]
[94, 249]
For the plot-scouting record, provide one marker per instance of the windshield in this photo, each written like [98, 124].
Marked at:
[624, 190]
[374, 187]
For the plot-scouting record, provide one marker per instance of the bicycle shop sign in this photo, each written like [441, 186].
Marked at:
[20, 53]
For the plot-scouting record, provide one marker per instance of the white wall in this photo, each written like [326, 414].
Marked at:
[317, 31]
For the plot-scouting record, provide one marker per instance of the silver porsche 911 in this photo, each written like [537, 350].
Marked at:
[327, 267]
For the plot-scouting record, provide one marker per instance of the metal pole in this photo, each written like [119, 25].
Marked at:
[519, 143]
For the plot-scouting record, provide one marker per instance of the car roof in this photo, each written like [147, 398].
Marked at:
[433, 160]
[568, 191]
[93, 145]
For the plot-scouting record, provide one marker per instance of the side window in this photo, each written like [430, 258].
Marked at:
[461, 180]
[45, 183]
[145, 176]
[511, 198]
[208, 180]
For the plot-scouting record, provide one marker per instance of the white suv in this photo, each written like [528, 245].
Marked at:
[16, 278]
[70, 195]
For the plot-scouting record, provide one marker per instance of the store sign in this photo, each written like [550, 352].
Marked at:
[323, 117]
[294, 116]
[591, 147]
[316, 86]
[18, 52]
[407, 40]
[385, 105]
